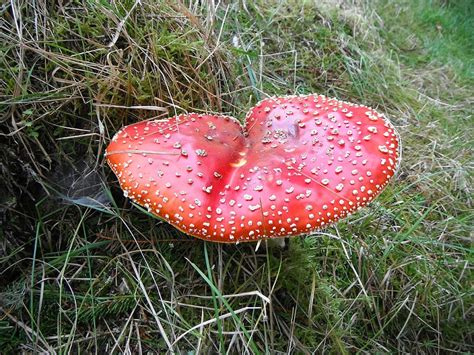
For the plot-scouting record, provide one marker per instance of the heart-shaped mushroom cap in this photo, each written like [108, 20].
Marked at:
[299, 163]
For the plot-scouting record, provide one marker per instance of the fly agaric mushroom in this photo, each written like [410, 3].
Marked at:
[299, 163]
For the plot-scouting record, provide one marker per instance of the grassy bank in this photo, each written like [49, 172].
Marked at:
[82, 268]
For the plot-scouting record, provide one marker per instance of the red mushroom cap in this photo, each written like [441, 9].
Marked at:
[299, 163]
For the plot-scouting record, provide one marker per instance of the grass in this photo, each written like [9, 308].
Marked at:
[82, 269]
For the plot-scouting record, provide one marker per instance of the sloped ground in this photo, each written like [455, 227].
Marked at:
[81, 268]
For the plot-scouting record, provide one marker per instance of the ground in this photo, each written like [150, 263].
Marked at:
[83, 269]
